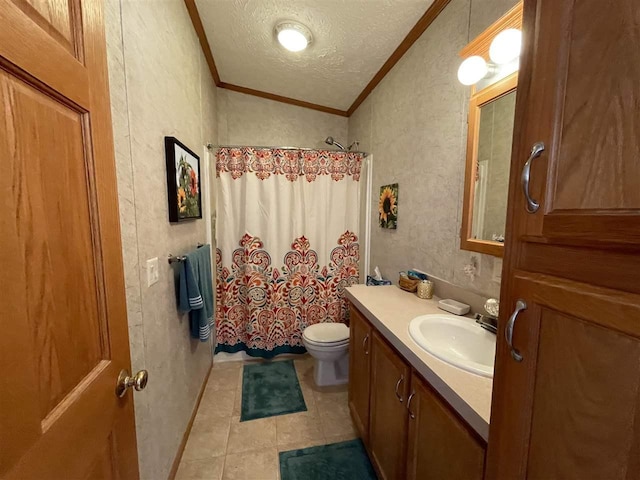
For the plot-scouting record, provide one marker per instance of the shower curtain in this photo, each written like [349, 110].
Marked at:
[287, 230]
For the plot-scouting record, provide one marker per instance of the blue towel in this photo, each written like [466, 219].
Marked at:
[196, 292]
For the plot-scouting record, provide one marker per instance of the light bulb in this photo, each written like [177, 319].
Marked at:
[506, 46]
[472, 70]
[293, 36]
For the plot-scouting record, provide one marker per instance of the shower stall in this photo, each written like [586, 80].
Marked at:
[289, 241]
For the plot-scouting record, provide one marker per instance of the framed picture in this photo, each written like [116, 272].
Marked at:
[388, 206]
[183, 181]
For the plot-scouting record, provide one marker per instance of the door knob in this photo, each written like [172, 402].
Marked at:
[125, 382]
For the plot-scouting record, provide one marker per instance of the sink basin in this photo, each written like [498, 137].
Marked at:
[458, 341]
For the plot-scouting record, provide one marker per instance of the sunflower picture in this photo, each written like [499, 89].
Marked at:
[183, 181]
[388, 206]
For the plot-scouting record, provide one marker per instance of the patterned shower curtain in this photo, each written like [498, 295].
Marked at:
[287, 229]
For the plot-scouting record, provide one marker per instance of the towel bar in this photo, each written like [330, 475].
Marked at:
[180, 258]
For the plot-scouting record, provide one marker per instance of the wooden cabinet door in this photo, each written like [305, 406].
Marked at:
[440, 445]
[388, 419]
[579, 94]
[63, 325]
[359, 371]
[571, 407]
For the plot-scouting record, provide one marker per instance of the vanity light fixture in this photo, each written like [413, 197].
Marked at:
[506, 46]
[504, 49]
[472, 70]
[293, 36]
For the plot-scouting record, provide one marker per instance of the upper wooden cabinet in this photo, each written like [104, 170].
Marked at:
[440, 446]
[359, 371]
[566, 401]
[579, 95]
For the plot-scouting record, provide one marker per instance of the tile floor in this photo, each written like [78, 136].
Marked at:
[220, 447]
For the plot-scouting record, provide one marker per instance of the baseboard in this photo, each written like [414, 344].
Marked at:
[185, 437]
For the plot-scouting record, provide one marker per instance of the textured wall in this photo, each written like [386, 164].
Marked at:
[414, 123]
[160, 85]
[248, 120]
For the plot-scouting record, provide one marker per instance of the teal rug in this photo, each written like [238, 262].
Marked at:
[338, 461]
[270, 389]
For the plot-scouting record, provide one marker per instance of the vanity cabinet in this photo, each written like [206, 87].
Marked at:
[359, 371]
[566, 391]
[440, 445]
[390, 377]
[408, 430]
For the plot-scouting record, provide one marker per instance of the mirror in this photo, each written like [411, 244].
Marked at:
[491, 119]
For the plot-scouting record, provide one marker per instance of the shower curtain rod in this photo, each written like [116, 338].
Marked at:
[210, 146]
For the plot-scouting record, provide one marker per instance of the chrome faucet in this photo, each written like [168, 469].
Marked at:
[489, 322]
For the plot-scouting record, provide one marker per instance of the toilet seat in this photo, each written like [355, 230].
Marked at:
[326, 334]
[327, 345]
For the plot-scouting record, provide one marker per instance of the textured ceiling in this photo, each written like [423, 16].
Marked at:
[352, 40]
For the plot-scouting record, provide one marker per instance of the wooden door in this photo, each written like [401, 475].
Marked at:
[570, 408]
[388, 419]
[440, 444]
[63, 322]
[359, 371]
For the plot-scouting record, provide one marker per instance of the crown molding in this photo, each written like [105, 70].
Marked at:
[418, 29]
[202, 38]
[280, 98]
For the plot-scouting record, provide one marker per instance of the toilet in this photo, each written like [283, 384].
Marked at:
[328, 344]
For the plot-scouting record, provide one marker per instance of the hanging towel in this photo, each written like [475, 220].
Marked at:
[196, 292]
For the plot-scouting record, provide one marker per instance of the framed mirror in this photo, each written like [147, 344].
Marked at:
[489, 139]
[490, 67]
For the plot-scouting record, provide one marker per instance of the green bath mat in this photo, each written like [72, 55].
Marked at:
[270, 389]
[338, 461]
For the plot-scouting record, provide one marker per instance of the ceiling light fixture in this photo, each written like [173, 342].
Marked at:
[293, 36]
[506, 46]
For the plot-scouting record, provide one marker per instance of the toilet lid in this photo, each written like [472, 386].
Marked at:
[326, 333]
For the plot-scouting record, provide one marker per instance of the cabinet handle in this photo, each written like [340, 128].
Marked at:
[409, 405]
[400, 380]
[365, 341]
[537, 149]
[508, 331]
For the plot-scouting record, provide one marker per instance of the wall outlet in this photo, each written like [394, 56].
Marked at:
[152, 271]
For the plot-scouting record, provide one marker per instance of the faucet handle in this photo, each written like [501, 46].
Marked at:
[492, 307]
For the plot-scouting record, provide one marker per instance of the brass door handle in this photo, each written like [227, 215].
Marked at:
[400, 380]
[125, 382]
[537, 149]
[411, 414]
[365, 341]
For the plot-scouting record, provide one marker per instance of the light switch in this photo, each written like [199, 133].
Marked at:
[497, 270]
[152, 271]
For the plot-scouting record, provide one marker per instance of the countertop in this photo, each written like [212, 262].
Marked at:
[390, 309]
